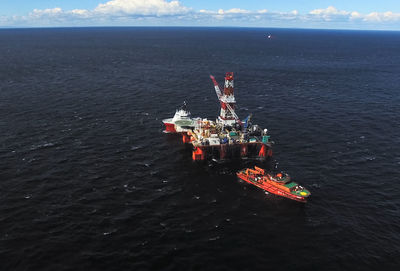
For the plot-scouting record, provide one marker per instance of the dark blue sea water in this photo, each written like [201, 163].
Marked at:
[88, 181]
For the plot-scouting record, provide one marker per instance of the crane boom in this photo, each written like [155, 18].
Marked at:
[217, 89]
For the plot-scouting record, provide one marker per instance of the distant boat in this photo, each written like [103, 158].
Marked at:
[269, 36]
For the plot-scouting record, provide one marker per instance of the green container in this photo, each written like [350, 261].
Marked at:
[291, 185]
[265, 139]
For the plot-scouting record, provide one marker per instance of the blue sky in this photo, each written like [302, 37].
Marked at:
[342, 14]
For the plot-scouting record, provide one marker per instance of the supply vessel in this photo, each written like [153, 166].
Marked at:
[227, 137]
[181, 122]
[279, 184]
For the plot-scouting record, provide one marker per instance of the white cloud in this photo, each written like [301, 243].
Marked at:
[205, 11]
[234, 13]
[111, 12]
[81, 13]
[382, 16]
[355, 15]
[172, 12]
[51, 12]
[328, 11]
[237, 11]
[331, 13]
[55, 15]
[141, 7]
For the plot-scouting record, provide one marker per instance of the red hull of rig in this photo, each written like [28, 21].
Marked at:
[226, 138]
[242, 150]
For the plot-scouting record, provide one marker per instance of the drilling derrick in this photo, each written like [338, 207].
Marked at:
[228, 116]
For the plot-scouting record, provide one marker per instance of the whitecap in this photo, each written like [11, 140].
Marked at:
[213, 238]
[41, 146]
[48, 144]
[109, 232]
[134, 148]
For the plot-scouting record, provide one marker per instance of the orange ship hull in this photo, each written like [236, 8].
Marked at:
[269, 186]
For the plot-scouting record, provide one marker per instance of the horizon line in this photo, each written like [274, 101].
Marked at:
[195, 26]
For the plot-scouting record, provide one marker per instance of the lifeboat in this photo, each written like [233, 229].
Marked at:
[279, 184]
[181, 122]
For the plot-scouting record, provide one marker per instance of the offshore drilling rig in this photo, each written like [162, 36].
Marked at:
[227, 137]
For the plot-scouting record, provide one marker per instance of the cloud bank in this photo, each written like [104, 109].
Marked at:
[140, 7]
[163, 12]
[331, 13]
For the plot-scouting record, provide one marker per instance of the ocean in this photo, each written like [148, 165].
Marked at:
[88, 180]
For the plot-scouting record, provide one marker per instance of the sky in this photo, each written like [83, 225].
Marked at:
[328, 14]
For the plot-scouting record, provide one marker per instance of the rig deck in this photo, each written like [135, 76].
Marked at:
[225, 138]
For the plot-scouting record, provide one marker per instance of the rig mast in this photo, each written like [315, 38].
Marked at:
[227, 117]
